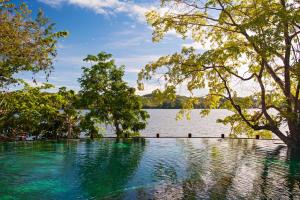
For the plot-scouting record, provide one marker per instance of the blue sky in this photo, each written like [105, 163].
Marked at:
[112, 26]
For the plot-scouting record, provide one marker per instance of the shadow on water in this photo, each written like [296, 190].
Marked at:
[212, 171]
[282, 165]
[237, 169]
[106, 168]
[294, 173]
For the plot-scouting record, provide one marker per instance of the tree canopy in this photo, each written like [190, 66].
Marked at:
[69, 114]
[255, 42]
[30, 111]
[33, 111]
[109, 98]
[26, 44]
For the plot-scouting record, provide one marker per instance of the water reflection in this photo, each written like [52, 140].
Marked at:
[151, 169]
[293, 177]
[106, 169]
[239, 169]
[284, 167]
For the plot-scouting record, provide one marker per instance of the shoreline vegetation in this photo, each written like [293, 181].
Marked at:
[150, 101]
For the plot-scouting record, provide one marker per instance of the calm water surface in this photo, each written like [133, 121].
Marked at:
[150, 169]
[164, 121]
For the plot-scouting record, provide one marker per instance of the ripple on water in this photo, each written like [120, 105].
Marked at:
[152, 169]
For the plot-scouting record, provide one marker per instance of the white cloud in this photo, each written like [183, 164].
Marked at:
[71, 61]
[173, 33]
[127, 42]
[53, 3]
[134, 64]
[106, 7]
[136, 60]
[132, 70]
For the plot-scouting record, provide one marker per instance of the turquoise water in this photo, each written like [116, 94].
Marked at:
[149, 169]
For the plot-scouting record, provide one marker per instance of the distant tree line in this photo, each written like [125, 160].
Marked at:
[150, 102]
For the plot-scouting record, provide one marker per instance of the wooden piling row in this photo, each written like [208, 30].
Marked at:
[257, 137]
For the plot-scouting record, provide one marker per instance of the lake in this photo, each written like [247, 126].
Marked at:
[165, 168]
[163, 121]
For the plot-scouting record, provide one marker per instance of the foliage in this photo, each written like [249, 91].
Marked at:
[25, 44]
[151, 101]
[31, 111]
[90, 124]
[255, 42]
[109, 98]
[70, 115]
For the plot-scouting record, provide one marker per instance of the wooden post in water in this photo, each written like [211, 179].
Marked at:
[222, 135]
[157, 135]
[257, 137]
[189, 135]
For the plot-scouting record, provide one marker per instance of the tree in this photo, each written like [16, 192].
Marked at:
[70, 115]
[109, 98]
[25, 44]
[90, 125]
[251, 41]
[30, 110]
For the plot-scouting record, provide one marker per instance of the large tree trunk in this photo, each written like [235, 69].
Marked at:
[294, 153]
[69, 130]
[118, 129]
[92, 135]
[295, 141]
[291, 138]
